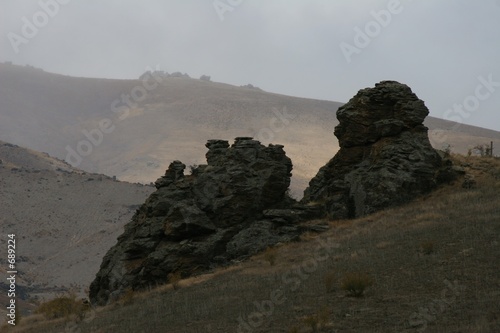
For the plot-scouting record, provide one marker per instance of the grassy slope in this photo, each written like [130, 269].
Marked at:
[463, 227]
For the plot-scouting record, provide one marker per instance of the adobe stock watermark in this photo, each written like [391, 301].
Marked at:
[291, 281]
[223, 6]
[120, 106]
[462, 111]
[429, 313]
[372, 29]
[31, 26]
[277, 124]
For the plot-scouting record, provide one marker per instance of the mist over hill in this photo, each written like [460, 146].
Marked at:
[67, 218]
[134, 128]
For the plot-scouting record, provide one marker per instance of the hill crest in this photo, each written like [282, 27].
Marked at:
[56, 114]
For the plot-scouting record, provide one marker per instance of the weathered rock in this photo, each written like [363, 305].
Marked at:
[207, 218]
[174, 172]
[385, 157]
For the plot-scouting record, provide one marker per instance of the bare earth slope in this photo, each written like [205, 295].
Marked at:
[48, 112]
[64, 219]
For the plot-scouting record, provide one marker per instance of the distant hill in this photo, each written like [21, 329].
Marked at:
[145, 125]
[64, 219]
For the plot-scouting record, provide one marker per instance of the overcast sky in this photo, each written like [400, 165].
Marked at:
[447, 51]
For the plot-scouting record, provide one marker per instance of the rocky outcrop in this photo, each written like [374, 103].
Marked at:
[232, 207]
[236, 204]
[385, 157]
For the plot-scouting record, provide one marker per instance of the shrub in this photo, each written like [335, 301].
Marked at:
[63, 306]
[356, 283]
[312, 321]
[323, 317]
[127, 297]
[427, 247]
[329, 280]
[317, 320]
[270, 256]
[174, 278]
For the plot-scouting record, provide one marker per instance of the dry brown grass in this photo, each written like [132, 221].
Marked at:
[355, 283]
[463, 224]
[174, 279]
[329, 280]
[128, 297]
[62, 307]
[270, 256]
[427, 247]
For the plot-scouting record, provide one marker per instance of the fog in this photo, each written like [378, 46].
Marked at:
[446, 51]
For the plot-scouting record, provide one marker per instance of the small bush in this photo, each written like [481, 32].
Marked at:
[127, 297]
[323, 317]
[317, 320]
[270, 256]
[63, 306]
[496, 174]
[427, 247]
[174, 278]
[356, 283]
[329, 280]
[312, 321]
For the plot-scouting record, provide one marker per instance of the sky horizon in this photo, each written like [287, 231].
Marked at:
[318, 49]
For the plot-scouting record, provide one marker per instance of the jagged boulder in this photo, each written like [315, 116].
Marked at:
[385, 156]
[193, 222]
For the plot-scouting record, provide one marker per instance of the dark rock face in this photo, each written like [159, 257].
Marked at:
[385, 157]
[193, 222]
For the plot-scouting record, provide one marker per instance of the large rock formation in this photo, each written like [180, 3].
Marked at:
[236, 204]
[385, 157]
[230, 208]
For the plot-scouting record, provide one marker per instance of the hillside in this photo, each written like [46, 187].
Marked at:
[48, 112]
[433, 263]
[64, 219]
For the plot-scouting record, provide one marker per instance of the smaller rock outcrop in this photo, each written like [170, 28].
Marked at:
[385, 156]
[232, 207]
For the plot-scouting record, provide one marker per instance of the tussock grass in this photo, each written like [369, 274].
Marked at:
[329, 280]
[463, 224]
[427, 247]
[270, 255]
[174, 279]
[63, 307]
[355, 283]
[128, 297]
